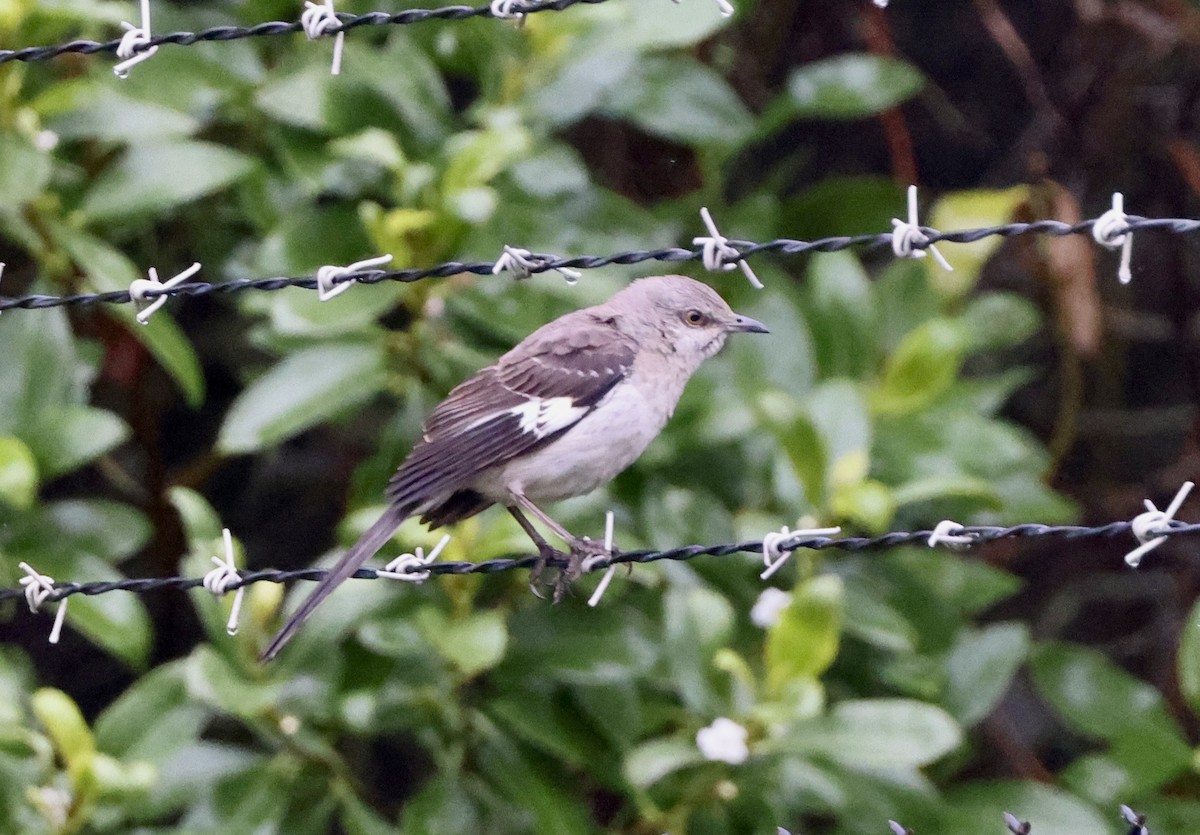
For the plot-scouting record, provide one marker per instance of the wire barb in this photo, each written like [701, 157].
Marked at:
[947, 532]
[591, 562]
[1017, 826]
[134, 46]
[503, 10]
[1137, 823]
[39, 587]
[328, 284]
[909, 238]
[319, 19]
[775, 555]
[1148, 527]
[139, 288]
[220, 579]
[1112, 230]
[523, 264]
[402, 567]
[717, 255]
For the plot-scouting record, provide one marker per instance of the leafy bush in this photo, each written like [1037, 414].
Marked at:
[464, 704]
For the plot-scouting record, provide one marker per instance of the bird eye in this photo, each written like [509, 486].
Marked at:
[695, 317]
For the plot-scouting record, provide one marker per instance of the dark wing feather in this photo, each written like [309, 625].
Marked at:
[578, 358]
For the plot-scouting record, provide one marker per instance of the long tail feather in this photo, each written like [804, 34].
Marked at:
[366, 547]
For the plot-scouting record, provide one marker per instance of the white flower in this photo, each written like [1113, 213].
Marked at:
[46, 141]
[723, 740]
[769, 607]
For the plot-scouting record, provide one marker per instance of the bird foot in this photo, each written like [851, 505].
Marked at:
[546, 554]
[582, 550]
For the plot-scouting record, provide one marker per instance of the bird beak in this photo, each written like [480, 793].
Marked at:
[744, 324]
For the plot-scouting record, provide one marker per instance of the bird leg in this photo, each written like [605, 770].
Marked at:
[545, 551]
[581, 547]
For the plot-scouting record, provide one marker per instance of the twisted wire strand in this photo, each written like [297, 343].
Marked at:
[278, 27]
[981, 534]
[546, 263]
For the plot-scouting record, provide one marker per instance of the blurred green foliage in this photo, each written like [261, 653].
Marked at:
[465, 705]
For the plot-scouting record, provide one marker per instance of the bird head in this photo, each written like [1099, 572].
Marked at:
[693, 318]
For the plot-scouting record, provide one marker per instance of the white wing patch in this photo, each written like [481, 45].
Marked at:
[548, 415]
[540, 417]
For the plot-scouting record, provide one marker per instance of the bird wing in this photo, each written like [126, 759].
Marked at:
[533, 394]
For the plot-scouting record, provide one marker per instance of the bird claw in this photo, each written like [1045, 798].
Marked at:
[581, 550]
[546, 554]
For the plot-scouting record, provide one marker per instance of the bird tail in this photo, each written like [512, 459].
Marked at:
[361, 551]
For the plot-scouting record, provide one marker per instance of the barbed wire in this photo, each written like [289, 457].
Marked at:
[540, 263]
[977, 534]
[346, 22]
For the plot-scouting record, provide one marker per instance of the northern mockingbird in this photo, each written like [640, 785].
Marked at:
[559, 415]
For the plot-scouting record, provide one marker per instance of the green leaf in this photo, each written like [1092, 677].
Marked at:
[680, 99]
[963, 586]
[921, 369]
[958, 486]
[1050, 810]
[152, 720]
[75, 435]
[651, 761]
[109, 530]
[43, 383]
[867, 503]
[839, 411]
[360, 819]
[212, 679]
[442, 805]
[18, 473]
[999, 320]
[547, 723]
[296, 98]
[66, 726]
[875, 621]
[24, 174]
[545, 800]
[980, 667]
[1095, 696]
[473, 643]
[841, 315]
[304, 389]
[1137, 762]
[36, 375]
[600, 647]
[880, 733]
[804, 641]
[658, 27]
[851, 86]
[581, 86]
[803, 445]
[155, 178]
[114, 117]
[697, 622]
[969, 210]
[1189, 660]
[903, 301]
[843, 206]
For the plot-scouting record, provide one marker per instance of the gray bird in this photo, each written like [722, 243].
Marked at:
[559, 415]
